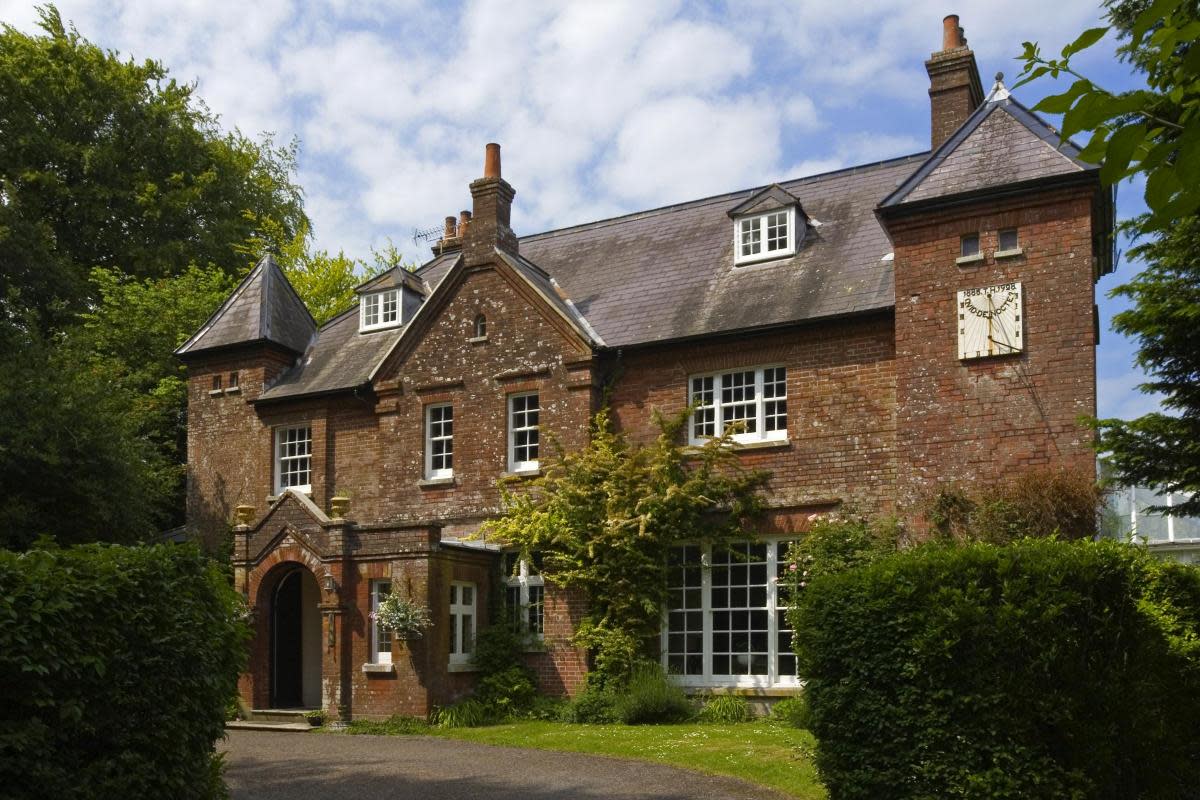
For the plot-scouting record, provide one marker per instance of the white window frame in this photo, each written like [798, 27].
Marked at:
[760, 433]
[761, 221]
[374, 306]
[460, 638]
[527, 582]
[378, 633]
[706, 679]
[529, 465]
[441, 472]
[281, 434]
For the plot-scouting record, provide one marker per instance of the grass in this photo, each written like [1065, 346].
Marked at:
[763, 751]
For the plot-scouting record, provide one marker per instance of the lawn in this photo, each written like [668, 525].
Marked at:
[764, 752]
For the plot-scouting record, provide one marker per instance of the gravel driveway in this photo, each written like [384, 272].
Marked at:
[264, 765]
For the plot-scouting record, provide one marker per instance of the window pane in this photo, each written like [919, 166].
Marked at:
[740, 635]
[685, 643]
[738, 401]
[704, 418]
[777, 231]
[536, 609]
[294, 459]
[1008, 239]
[775, 399]
[751, 236]
[970, 244]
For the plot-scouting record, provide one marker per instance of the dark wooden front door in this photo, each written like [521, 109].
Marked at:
[286, 645]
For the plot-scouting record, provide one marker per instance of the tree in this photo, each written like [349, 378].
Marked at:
[1153, 132]
[72, 462]
[113, 164]
[1158, 449]
[605, 517]
[127, 341]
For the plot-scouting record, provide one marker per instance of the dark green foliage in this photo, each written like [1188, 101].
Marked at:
[72, 465]
[1035, 502]
[505, 684]
[111, 163]
[549, 709]
[1042, 669]
[649, 698]
[594, 705]
[1152, 131]
[605, 517]
[792, 711]
[726, 708]
[1163, 449]
[469, 713]
[117, 665]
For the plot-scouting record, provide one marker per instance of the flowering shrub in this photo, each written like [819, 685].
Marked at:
[838, 543]
[402, 616]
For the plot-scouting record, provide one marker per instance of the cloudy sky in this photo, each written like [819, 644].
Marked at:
[602, 107]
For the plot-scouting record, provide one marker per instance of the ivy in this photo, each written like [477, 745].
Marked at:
[605, 517]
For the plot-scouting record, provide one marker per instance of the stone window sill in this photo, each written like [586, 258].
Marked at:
[963, 261]
[477, 339]
[525, 473]
[234, 390]
[1016, 251]
[766, 444]
[465, 667]
[436, 483]
[379, 669]
[215, 392]
[737, 447]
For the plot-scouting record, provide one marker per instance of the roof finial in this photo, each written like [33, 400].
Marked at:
[999, 90]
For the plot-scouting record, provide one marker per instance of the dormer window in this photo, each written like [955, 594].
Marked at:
[765, 236]
[380, 310]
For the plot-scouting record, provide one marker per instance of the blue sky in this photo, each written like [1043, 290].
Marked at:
[601, 107]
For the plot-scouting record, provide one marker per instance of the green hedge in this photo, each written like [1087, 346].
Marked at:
[116, 665]
[1038, 670]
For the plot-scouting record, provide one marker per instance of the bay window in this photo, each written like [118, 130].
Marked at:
[462, 623]
[381, 637]
[726, 623]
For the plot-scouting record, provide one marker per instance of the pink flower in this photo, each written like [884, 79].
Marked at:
[791, 567]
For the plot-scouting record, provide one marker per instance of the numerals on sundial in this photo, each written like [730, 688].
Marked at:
[989, 321]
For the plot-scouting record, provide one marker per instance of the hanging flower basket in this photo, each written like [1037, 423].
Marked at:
[401, 616]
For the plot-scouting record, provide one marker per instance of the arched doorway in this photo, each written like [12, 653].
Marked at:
[295, 646]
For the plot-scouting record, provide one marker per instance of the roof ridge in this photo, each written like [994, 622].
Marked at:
[605, 221]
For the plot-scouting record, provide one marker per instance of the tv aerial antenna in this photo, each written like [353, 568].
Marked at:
[420, 235]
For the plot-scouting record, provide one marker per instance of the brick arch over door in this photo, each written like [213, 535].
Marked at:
[286, 656]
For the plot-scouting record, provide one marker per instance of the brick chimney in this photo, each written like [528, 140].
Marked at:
[954, 87]
[489, 226]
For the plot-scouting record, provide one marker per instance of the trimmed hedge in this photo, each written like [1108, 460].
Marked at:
[1043, 669]
[116, 665]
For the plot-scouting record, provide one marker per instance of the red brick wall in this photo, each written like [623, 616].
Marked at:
[841, 385]
[977, 420]
[229, 447]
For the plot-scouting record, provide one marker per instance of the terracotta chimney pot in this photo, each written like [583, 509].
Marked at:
[464, 220]
[491, 161]
[451, 228]
[952, 33]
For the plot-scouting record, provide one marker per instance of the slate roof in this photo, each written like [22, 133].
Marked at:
[1000, 144]
[668, 273]
[263, 308]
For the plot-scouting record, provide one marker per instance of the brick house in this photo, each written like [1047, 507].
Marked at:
[878, 329]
